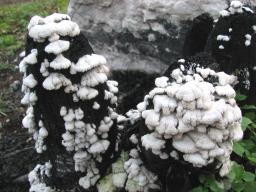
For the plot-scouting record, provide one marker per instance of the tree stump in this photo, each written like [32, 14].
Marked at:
[180, 136]
[71, 106]
[233, 43]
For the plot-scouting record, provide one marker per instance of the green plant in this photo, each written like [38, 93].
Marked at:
[246, 148]
[209, 183]
[241, 180]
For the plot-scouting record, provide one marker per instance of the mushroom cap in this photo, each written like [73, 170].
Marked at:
[185, 144]
[161, 81]
[30, 81]
[151, 117]
[87, 62]
[202, 141]
[57, 47]
[150, 141]
[60, 62]
[196, 159]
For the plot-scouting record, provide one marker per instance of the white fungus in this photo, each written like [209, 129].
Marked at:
[96, 106]
[88, 141]
[36, 175]
[55, 81]
[224, 13]
[184, 144]
[31, 58]
[236, 7]
[44, 68]
[28, 121]
[57, 47]
[151, 118]
[196, 159]
[221, 47]
[248, 38]
[196, 114]
[223, 38]
[131, 174]
[161, 82]
[30, 81]
[60, 62]
[133, 139]
[93, 78]
[164, 103]
[56, 24]
[88, 62]
[87, 93]
[39, 137]
[112, 86]
[150, 141]
[181, 60]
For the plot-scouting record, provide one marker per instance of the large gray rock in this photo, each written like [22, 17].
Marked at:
[144, 35]
[139, 35]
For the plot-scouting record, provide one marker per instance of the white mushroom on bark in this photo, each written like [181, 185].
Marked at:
[193, 110]
[65, 89]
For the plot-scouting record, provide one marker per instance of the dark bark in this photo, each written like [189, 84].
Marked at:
[197, 36]
[236, 57]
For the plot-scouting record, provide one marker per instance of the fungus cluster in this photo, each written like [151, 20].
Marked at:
[69, 96]
[192, 116]
[39, 137]
[129, 173]
[37, 178]
[139, 178]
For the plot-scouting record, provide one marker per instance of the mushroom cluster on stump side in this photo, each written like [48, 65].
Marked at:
[71, 105]
[189, 120]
